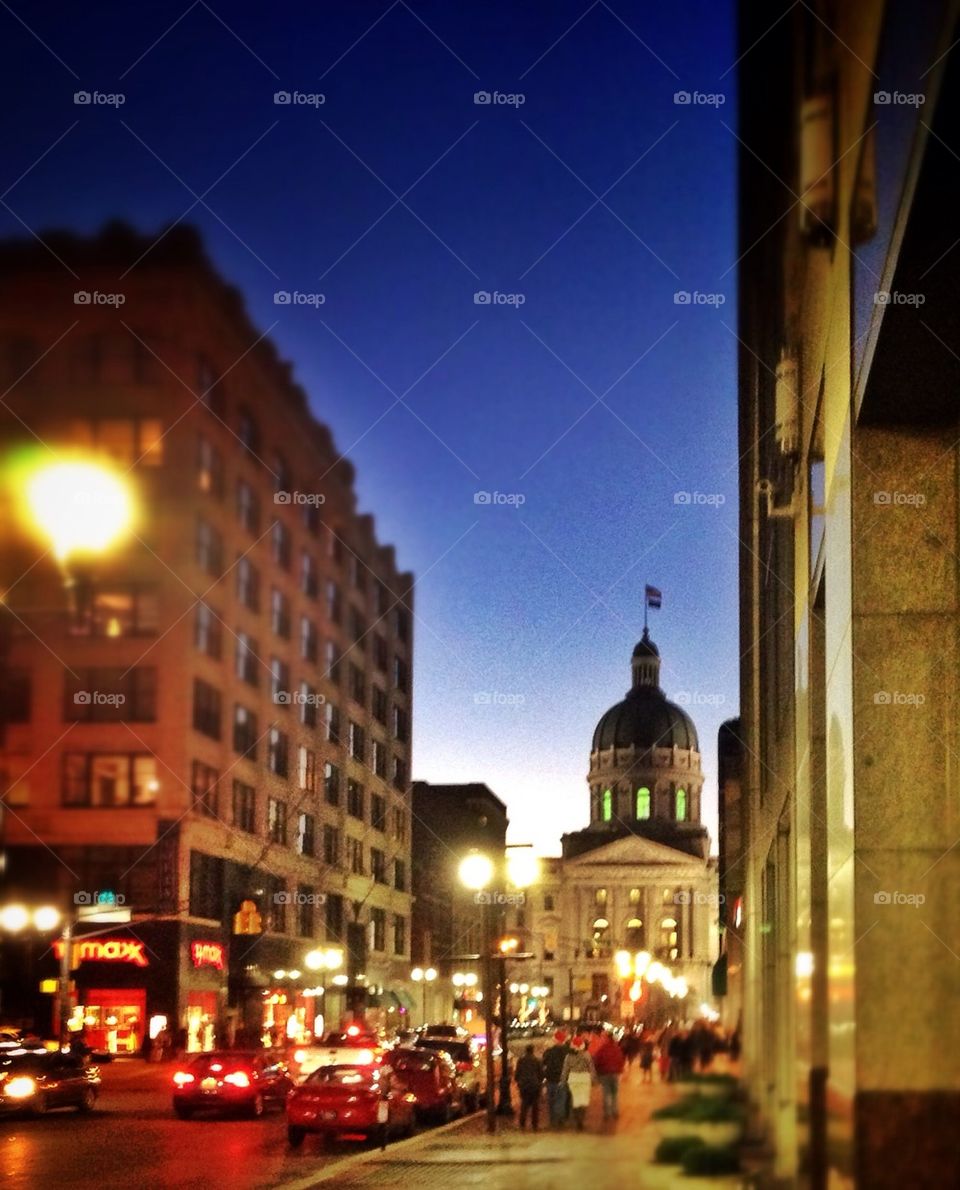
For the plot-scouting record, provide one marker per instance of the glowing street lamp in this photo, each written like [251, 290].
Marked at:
[419, 975]
[14, 918]
[476, 872]
[81, 507]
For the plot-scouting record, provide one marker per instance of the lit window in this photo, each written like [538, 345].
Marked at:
[680, 805]
[643, 802]
[607, 809]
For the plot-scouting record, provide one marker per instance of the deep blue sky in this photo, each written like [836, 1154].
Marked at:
[541, 603]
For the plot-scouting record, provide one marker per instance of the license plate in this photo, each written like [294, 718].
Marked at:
[329, 1115]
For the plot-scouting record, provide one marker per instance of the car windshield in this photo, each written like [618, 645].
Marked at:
[342, 1076]
[215, 1063]
[24, 1064]
[458, 1050]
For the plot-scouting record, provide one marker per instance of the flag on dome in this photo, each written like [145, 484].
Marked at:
[653, 596]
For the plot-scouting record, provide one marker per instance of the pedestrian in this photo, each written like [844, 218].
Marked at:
[578, 1076]
[609, 1062]
[630, 1047]
[529, 1079]
[553, 1059]
[646, 1061]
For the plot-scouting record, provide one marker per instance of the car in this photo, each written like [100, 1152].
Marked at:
[350, 1100]
[454, 1032]
[353, 1047]
[230, 1081]
[36, 1081]
[431, 1076]
[467, 1062]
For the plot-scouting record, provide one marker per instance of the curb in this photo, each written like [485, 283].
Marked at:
[356, 1159]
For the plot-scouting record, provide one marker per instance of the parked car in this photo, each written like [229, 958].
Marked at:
[455, 1032]
[431, 1076]
[36, 1081]
[467, 1061]
[230, 1081]
[350, 1100]
[353, 1047]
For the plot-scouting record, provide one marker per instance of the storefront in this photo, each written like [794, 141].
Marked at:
[109, 1002]
[202, 992]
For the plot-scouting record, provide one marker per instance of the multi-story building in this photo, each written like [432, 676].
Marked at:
[730, 873]
[850, 589]
[216, 728]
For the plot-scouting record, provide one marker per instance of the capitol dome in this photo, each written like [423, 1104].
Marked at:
[645, 719]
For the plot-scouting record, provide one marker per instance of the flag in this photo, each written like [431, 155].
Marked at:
[653, 596]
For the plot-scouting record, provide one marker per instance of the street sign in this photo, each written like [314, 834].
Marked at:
[103, 912]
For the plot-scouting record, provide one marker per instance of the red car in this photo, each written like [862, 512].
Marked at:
[349, 1101]
[230, 1081]
[432, 1078]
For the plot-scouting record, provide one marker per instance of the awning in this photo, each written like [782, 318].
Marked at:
[404, 999]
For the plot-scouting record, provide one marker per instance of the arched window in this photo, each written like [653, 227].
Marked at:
[669, 947]
[634, 939]
[607, 809]
[601, 937]
[680, 805]
[643, 802]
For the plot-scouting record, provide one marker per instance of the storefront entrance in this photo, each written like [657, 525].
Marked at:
[112, 1019]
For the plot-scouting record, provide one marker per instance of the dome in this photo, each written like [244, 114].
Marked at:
[645, 647]
[645, 719]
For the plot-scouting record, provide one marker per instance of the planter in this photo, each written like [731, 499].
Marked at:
[723, 1132]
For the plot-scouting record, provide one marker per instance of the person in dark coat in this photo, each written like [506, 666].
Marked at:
[558, 1100]
[529, 1080]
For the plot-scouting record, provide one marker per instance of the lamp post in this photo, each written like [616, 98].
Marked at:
[522, 870]
[476, 873]
[419, 975]
[328, 959]
[15, 918]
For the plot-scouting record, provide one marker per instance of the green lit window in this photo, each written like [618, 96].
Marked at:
[643, 802]
[681, 805]
[607, 809]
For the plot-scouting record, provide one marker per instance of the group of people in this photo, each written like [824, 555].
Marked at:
[568, 1070]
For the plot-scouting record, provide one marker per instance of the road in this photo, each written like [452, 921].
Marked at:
[133, 1139]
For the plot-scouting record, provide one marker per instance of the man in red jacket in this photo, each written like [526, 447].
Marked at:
[609, 1062]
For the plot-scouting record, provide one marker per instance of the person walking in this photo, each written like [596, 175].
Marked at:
[609, 1062]
[578, 1075]
[529, 1079]
[553, 1060]
[646, 1061]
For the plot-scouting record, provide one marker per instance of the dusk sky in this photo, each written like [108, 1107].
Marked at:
[590, 402]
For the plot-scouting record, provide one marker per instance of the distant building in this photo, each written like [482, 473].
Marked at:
[219, 734]
[730, 870]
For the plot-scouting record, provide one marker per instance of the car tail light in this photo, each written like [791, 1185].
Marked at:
[181, 1078]
[364, 1057]
[237, 1078]
[353, 1031]
[216, 1067]
[299, 1055]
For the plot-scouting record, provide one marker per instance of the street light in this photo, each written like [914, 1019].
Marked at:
[476, 873]
[14, 918]
[81, 507]
[419, 975]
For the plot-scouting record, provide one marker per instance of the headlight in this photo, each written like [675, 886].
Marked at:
[19, 1088]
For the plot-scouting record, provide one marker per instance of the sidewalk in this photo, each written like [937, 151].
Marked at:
[607, 1156]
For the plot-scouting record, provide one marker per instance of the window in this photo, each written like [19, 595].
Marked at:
[378, 865]
[309, 582]
[680, 805]
[280, 613]
[355, 855]
[248, 431]
[203, 787]
[280, 545]
[311, 519]
[358, 629]
[378, 919]
[358, 685]
[331, 846]
[357, 741]
[206, 708]
[206, 886]
[248, 584]
[358, 573]
[400, 824]
[278, 752]
[109, 779]
[399, 934]
[306, 899]
[206, 632]
[332, 722]
[207, 379]
[306, 834]
[635, 934]
[334, 917]
[601, 937]
[209, 551]
[128, 609]
[607, 811]
[600, 898]
[332, 661]
[548, 903]
[114, 695]
[379, 758]
[399, 875]
[331, 783]
[643, 803]
[279, 682]
[309, 640]
[378, 812]
[17, 697]
[307, 768]
[244, 732]
[380, 705]
[381, 655]
[334, 604]
[401, 674]
[276, 904]
[308, 705]
[244, 807]
[248, 507]
[246, 663]
[276, 820]
[282, 480]
[381, 598]
[669, 944]
[337, 547]
[354, 798]
[399, 774]
[209, 467]
[635, 896]
[401, 725]
[127, 441]
[401, 623]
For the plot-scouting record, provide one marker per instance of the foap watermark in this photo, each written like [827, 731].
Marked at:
[286, 297]
[314, 498]
[513, 498]
[98, 898]
[899, 98]
[707, 499]
[296, 897]
[499, 99]
[695, 897]
[296, 698]
[699, 98]
[494, 897]
[899, 898]
[483, 297]
[687, 297]
[893, 297]
[898, 698]
[99, 98]
[87, 297]
[498, 698]
[699, 698]
[904, 499]
[98, 698]
[299, 98]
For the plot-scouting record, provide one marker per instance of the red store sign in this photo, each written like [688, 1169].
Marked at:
[110, 950]
[207, 954]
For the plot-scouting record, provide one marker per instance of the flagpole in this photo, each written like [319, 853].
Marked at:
[646, 604]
